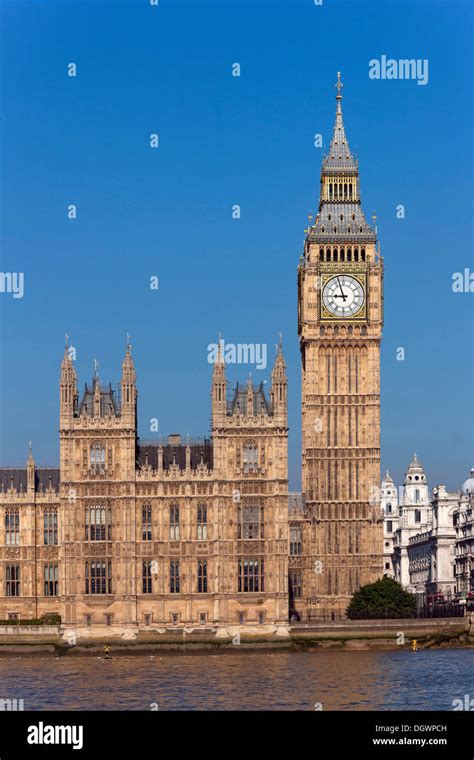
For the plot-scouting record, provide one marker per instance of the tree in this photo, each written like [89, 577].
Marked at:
[383, 599]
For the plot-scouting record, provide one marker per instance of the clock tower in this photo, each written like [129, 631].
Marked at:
[340, 317]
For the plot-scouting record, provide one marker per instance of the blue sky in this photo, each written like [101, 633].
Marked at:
[167, 212]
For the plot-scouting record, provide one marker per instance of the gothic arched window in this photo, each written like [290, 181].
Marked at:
[12, 527]
[146, 522]
[98, 455]
[98, 524]
[51, 580]
[250, 456]
[50, 521]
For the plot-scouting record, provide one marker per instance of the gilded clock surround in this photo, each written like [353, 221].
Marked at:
[328, 316]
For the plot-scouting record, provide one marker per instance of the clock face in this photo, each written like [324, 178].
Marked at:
[343, 296]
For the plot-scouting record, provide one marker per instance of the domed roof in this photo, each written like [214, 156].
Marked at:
[415, 472]
[415, 465]
[467, 488]
[387, 479]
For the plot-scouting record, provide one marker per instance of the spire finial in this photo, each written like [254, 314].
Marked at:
[129, 345]
[96, 367]
[67, 341]
[29, 447]
[279, 345]
[220, 350]
[339, 86]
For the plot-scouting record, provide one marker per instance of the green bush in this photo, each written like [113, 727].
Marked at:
[51, 619]
[380, 600]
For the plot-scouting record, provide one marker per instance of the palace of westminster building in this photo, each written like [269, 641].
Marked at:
[131, 534]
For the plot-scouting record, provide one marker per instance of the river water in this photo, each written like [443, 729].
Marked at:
[393, 680]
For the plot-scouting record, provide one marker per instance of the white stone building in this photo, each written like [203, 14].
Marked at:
[414, 516]
[429, 542]
[389, 504]
[431, 552]
[464, 551]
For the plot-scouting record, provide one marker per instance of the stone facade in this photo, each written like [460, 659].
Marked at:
[29, 542]
[430, 553]
[131, 534]
[433, 541]
[340, 317]
[389, 505]
[127, 533]
[464, 550]
[414, 517]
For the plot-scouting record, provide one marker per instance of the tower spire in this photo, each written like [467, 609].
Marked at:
[220, 356]
[66, 362]
[340, 217]
[279, 389]
[68, 383]
[219, 386]
[339, 157]
[30, 470]
[128, 383]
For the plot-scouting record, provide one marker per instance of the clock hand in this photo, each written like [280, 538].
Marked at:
[342, 292]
